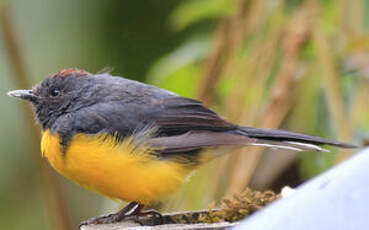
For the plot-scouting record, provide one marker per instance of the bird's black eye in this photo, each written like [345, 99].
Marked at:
[55, 92]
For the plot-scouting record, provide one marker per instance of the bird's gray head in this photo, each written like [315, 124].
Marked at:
[61, 93]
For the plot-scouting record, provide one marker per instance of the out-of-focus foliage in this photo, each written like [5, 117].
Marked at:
[192, 12]
[181, 67]
[325, 71]
[301, 65]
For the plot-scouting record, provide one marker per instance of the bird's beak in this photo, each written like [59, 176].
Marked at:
[23, 94]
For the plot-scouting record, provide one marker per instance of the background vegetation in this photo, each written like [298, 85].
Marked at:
[300, 65]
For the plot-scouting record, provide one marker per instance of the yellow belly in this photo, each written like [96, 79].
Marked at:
[118, 171]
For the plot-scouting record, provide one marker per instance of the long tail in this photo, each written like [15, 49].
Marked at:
[289, 140]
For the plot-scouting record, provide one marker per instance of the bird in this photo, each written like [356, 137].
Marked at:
[135, 142]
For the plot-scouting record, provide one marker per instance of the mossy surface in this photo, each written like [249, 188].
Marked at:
[239, 206]
[231, 209]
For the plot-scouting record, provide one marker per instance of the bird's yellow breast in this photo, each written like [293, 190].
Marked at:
[117, 170]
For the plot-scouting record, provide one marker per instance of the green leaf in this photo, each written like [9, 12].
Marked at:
[193, 51]
[184, 81]
[192, 11]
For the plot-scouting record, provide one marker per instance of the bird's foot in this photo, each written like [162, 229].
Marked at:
[105, 219]
[150, 212]
[156, 219]
[128, 211]
[131, 212]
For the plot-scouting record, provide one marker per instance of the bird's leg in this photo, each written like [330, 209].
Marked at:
[130, 210]
[156, 220]
[137, 213]
[150, 212]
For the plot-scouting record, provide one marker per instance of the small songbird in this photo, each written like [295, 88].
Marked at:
[135, 142]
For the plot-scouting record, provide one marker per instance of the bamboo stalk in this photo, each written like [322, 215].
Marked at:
[215, 64]
[334, 94]
[239, 28]
[228, 37]
[50, 184]
[280, 103]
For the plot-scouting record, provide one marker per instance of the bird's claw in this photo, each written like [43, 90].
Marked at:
[105, 219]
[117, 217]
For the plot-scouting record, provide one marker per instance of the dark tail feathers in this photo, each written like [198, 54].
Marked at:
[289, 140]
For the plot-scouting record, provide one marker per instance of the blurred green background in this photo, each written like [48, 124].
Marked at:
[301, 65]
